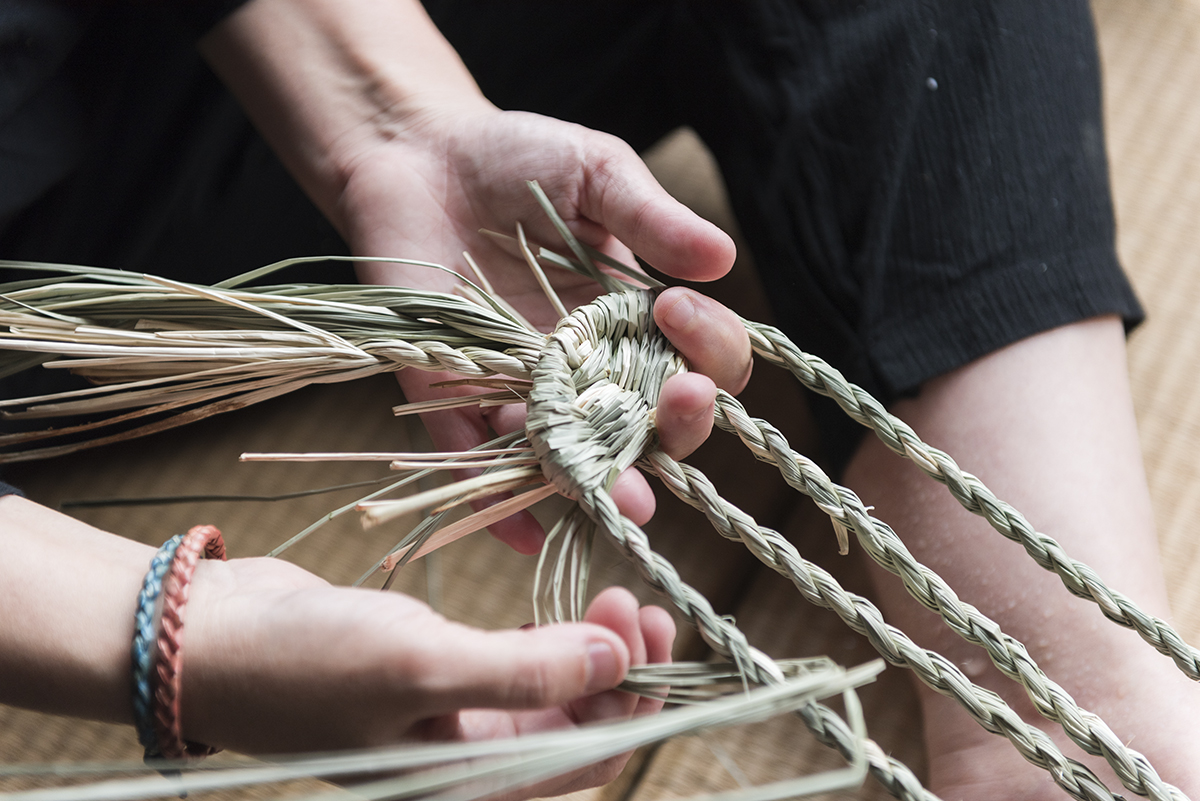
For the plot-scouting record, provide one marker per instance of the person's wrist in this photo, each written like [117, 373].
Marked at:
[208, 655]
[369, 71]
[232, 661]
[417, 137]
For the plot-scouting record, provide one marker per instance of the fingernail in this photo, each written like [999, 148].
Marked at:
[602, 668]
[681, 313]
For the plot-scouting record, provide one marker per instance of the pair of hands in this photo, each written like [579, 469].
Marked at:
[379, 121]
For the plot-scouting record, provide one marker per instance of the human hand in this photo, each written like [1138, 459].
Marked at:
[277, 660]
[390, 136]
[610, 201]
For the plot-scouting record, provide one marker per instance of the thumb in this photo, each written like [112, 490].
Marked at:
[623, 197]
[527, 669]
[709, 335]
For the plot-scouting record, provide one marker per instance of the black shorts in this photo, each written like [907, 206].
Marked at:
[919, 183]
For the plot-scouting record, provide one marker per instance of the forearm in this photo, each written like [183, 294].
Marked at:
[1048, 424]
[325, 80]
[69, 594]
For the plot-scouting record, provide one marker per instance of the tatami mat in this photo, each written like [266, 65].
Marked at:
[1152, 70]
[1151, 52]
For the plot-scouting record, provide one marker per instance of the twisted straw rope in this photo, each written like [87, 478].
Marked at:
[386, 355]
[607, 355]
[559, 434]
[1008, 654]
[823, 590]
[817, 375]
[565, 437]
[437, 356]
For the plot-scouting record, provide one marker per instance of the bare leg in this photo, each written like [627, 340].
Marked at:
[1048, 425]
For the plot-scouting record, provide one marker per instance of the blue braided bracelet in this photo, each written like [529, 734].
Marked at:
[143, 645]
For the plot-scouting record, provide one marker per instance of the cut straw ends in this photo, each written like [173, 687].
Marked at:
[468, 525]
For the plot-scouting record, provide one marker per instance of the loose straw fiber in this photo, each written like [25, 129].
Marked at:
[591, 386]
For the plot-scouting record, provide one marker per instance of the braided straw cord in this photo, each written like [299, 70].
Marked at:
[566, 437]
[437, 356]
[384, 355]
[595, 383]
[821, 589]
[238, 363]
[566, 441]
[378, 342]
[380, 329]
[1008, 654]
[817, 375]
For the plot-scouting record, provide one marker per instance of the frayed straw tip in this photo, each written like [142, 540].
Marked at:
[376, 513]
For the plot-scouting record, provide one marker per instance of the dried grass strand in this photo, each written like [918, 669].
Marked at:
[473, 523]
[472, 770]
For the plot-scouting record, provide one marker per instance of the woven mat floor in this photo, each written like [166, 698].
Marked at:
[1151, 52]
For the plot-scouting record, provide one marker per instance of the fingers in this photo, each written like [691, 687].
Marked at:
[572, 663]
[633, 496]
[622, 196]
[529, 669]
[710, 336]
[649, 633]
[655, 634]
[685, 413]
[715, 344]
[658, 632]
[615, 609]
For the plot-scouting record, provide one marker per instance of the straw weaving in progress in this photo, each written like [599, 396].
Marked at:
[167, 353]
